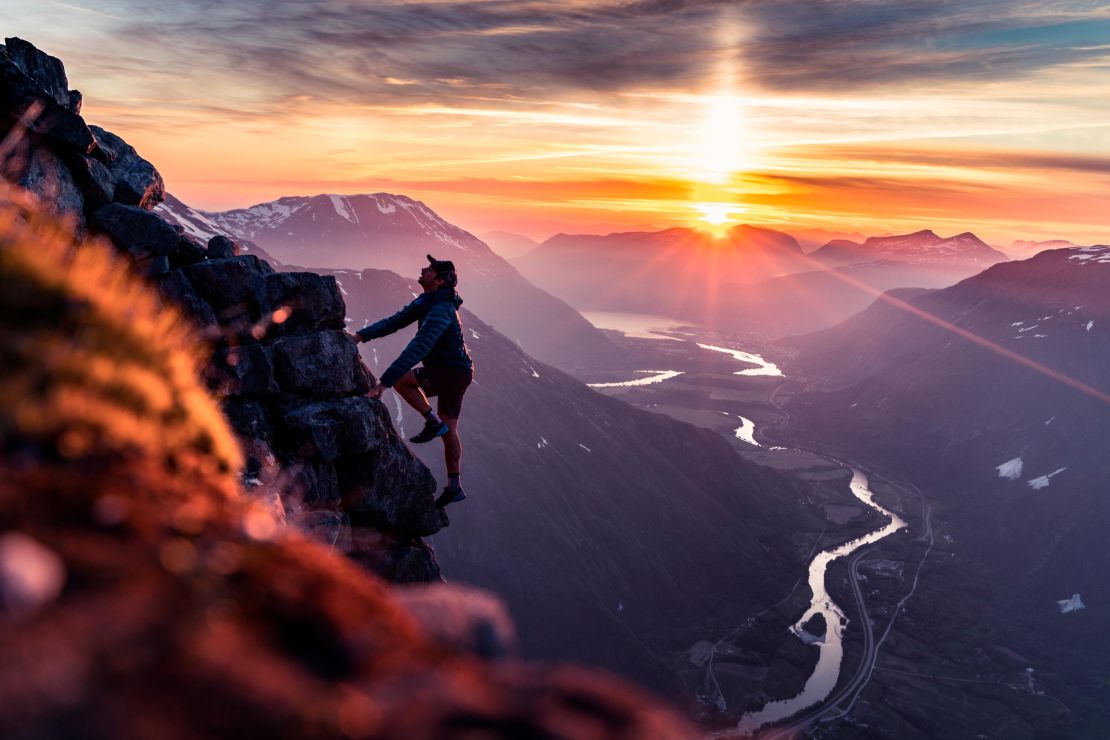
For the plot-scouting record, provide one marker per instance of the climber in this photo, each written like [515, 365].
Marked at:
[446, 369]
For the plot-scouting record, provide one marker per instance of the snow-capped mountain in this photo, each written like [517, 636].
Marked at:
[394, 232]
[919, 248]
[198, 225]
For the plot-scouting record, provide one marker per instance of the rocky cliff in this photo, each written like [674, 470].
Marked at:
[289, 378]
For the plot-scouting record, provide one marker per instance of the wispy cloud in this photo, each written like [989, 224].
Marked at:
[845, 108]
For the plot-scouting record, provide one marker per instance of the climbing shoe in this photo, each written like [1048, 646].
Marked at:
[450, 496]
[430, 431]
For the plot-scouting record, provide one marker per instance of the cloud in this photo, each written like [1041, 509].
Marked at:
[970, 160]
[359, 52]
[838, 45]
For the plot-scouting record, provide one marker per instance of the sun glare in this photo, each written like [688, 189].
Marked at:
[723, 139]
[716, 218]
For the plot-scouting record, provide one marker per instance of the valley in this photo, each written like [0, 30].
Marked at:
[887, 660]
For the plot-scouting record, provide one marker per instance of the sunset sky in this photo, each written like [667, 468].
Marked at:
[538, 117]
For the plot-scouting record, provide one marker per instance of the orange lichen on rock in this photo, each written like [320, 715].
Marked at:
[93, 360]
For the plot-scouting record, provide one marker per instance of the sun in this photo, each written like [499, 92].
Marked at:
[717, 217]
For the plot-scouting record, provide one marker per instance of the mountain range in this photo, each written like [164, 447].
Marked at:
[919, 248]
[753, 280]
[1025, 248]
[394, 232]
[658, 272]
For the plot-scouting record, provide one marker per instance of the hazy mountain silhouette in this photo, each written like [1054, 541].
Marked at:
[1024, 249]
[657, 272]
[963, 251]
[508, 245]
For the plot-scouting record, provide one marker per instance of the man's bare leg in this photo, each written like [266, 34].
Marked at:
[409, 389]
[452, 447]
[452, 457]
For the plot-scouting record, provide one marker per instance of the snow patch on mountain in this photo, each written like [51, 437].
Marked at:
[385, 207]
[342, 207]
[1042, 482]
[1070, 605]
[1011, 469]
[1087, 255]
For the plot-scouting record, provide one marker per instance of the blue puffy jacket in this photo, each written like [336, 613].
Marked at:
[438, 341]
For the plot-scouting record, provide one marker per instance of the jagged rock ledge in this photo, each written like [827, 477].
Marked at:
[290, 380]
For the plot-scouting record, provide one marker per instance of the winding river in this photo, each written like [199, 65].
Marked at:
[823, 680]
[821, 683]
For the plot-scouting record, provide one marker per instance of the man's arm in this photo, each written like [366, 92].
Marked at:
[389, 324]
[435, 323]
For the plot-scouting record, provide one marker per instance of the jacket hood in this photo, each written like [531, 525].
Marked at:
[443, 294]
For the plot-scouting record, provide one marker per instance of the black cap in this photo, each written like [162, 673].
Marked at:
[441, 267]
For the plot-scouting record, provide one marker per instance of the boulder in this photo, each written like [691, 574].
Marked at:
[174, 286]
[220, 247]
[44, 70]
[323, 364]
[233, 287]
[46, 175]
[311, 302]
[313, 485]
[390, 490]
[190, 250]
[245, 370]
[199, 312]
[94, 179]
[248, 418]
[398, 560]
[324, 430]
[153, 266]
[177, 289]
[24, 102]
[136, 231]
[136, 182]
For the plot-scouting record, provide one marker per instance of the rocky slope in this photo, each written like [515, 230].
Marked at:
[614, 534]
[992, 395]
[753, 280]
[142, 595]
[394, 232]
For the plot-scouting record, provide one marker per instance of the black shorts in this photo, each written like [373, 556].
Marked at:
[447, 383]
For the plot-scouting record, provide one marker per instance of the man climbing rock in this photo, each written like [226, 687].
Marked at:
[447, 368]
